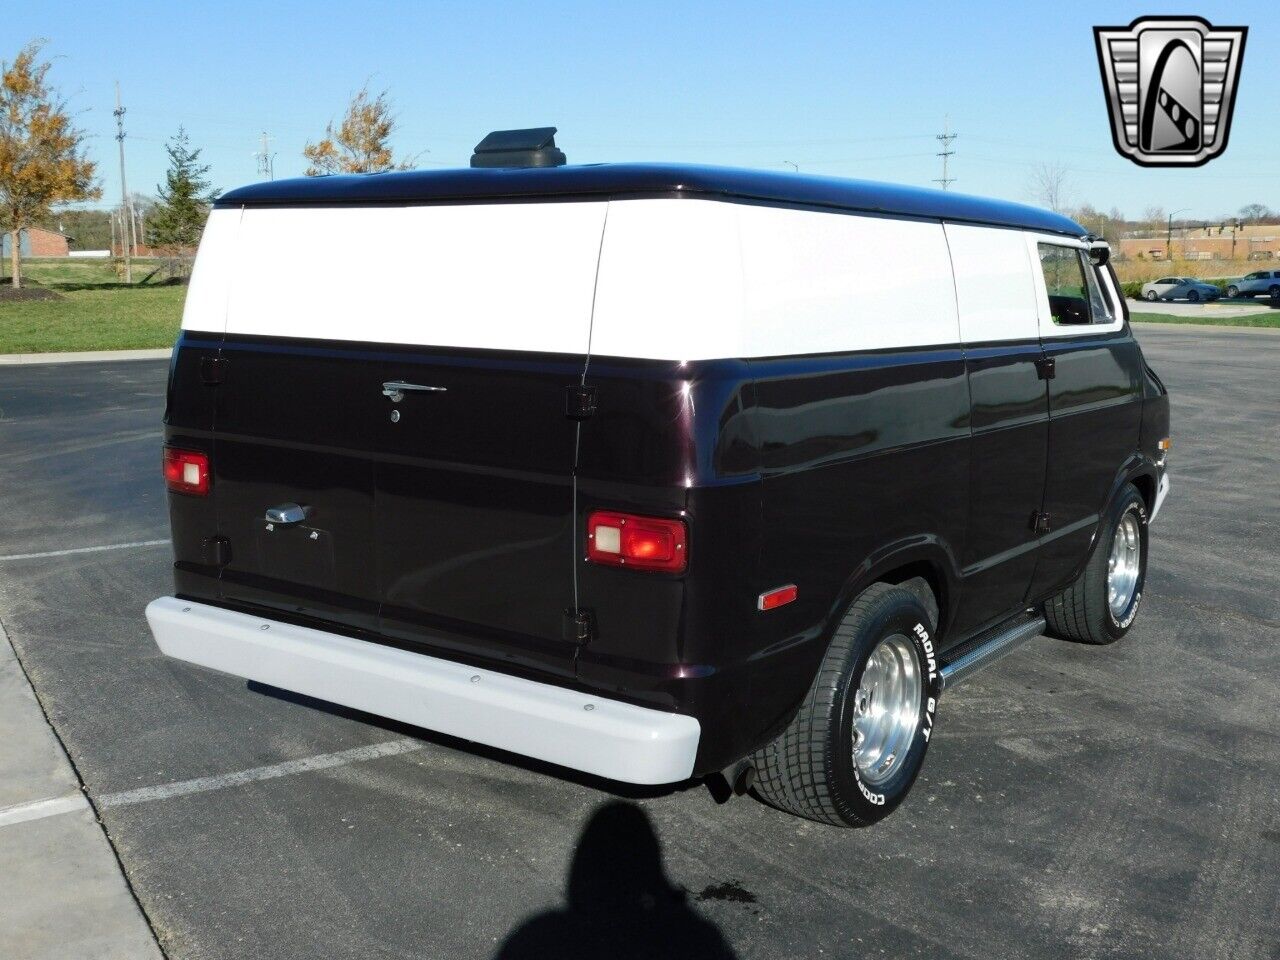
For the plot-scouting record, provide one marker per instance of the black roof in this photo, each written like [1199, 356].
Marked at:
[610, 179]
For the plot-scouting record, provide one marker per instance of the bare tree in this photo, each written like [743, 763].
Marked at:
[1050, 186]
[1256, 212]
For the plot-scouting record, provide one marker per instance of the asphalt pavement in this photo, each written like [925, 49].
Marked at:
[1076, 801]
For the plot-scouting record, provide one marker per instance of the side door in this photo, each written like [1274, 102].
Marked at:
[1009, 418]
[1095, 401]
[475, 450]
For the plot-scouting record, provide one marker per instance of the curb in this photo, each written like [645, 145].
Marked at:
[90, 356]
[1139, 325]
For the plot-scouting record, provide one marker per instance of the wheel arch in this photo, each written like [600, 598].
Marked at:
[925, 557]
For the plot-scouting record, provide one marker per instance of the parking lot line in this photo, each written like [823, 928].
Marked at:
[55, 806]
[73, 550]
[323, 761]
[39, 809]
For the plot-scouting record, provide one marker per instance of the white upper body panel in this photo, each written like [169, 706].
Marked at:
[701, 279]
[995, 284]
[486, 276]
[205, 310]
[665, 279]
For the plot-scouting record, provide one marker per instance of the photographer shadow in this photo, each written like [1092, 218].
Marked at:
[620, 904]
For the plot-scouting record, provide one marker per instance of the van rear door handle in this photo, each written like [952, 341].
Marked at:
[287, 513]
[396, 389]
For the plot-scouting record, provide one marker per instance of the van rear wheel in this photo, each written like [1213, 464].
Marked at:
[853, 751]
[1102, 604]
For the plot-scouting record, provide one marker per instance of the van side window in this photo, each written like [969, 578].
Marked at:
[1099, 301]
[1074, 295]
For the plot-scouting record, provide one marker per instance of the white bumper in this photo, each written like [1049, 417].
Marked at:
[1162, 491]
[577, 730]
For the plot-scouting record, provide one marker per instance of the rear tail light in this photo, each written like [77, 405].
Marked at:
[186, 471]
[643, 543]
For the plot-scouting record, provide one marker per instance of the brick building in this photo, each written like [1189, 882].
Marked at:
[38, 242]
[1254, 242]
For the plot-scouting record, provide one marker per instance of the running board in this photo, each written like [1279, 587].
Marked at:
[985, 649]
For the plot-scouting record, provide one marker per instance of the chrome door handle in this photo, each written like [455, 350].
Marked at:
[287, 513]
[396, 389]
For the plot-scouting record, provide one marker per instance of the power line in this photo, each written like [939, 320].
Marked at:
[945, 138]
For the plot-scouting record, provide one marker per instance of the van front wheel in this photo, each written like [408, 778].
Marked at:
[854, 749]
[1102, 604]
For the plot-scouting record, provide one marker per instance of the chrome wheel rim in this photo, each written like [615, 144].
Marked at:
[1124, 565]
[886, 709]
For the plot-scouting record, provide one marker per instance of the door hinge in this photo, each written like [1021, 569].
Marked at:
[1040, 523]
[579, 626]
[1047, 368]
[579, 401]
[212, 370]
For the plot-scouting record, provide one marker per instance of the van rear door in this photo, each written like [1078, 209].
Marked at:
[399, 374]
[296, 406]
[475, 453]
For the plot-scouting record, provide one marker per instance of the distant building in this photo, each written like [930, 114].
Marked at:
[37, 242]
[1253, 242]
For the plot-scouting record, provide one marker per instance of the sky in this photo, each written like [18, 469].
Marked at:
[842, 89]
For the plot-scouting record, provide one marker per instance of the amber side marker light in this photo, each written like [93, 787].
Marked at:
[1165, 445]
[778, 597]
[642, 543]
[186, 471]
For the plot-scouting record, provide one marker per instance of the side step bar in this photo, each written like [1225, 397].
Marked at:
[987, 648]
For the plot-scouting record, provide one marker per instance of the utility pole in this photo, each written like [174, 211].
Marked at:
[124, 190]
[266, 160]
[945, 138]
[1168, 237]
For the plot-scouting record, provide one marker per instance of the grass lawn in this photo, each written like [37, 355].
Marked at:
[1269, 319]
[106, 318]
[54, 271]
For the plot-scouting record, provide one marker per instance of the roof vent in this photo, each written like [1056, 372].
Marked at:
[535, 147]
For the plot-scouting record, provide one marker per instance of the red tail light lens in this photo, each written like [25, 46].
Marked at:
[186, 471]
[778, 597]
[643, 543]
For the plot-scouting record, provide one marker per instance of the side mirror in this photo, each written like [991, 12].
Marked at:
[1099, 254]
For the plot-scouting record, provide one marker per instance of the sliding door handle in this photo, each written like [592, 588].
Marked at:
[396, 389]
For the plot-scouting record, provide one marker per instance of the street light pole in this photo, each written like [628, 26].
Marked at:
[1168, 237]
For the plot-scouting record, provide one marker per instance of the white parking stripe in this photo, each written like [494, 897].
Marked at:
[67, 553]
[323, 761]
[39, 809]
[54, 806]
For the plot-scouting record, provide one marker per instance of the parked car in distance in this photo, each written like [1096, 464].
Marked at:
[1179, 288]
[1258, 283]
[654, 471]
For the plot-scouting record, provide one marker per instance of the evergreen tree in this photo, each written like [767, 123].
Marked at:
[185, 198]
